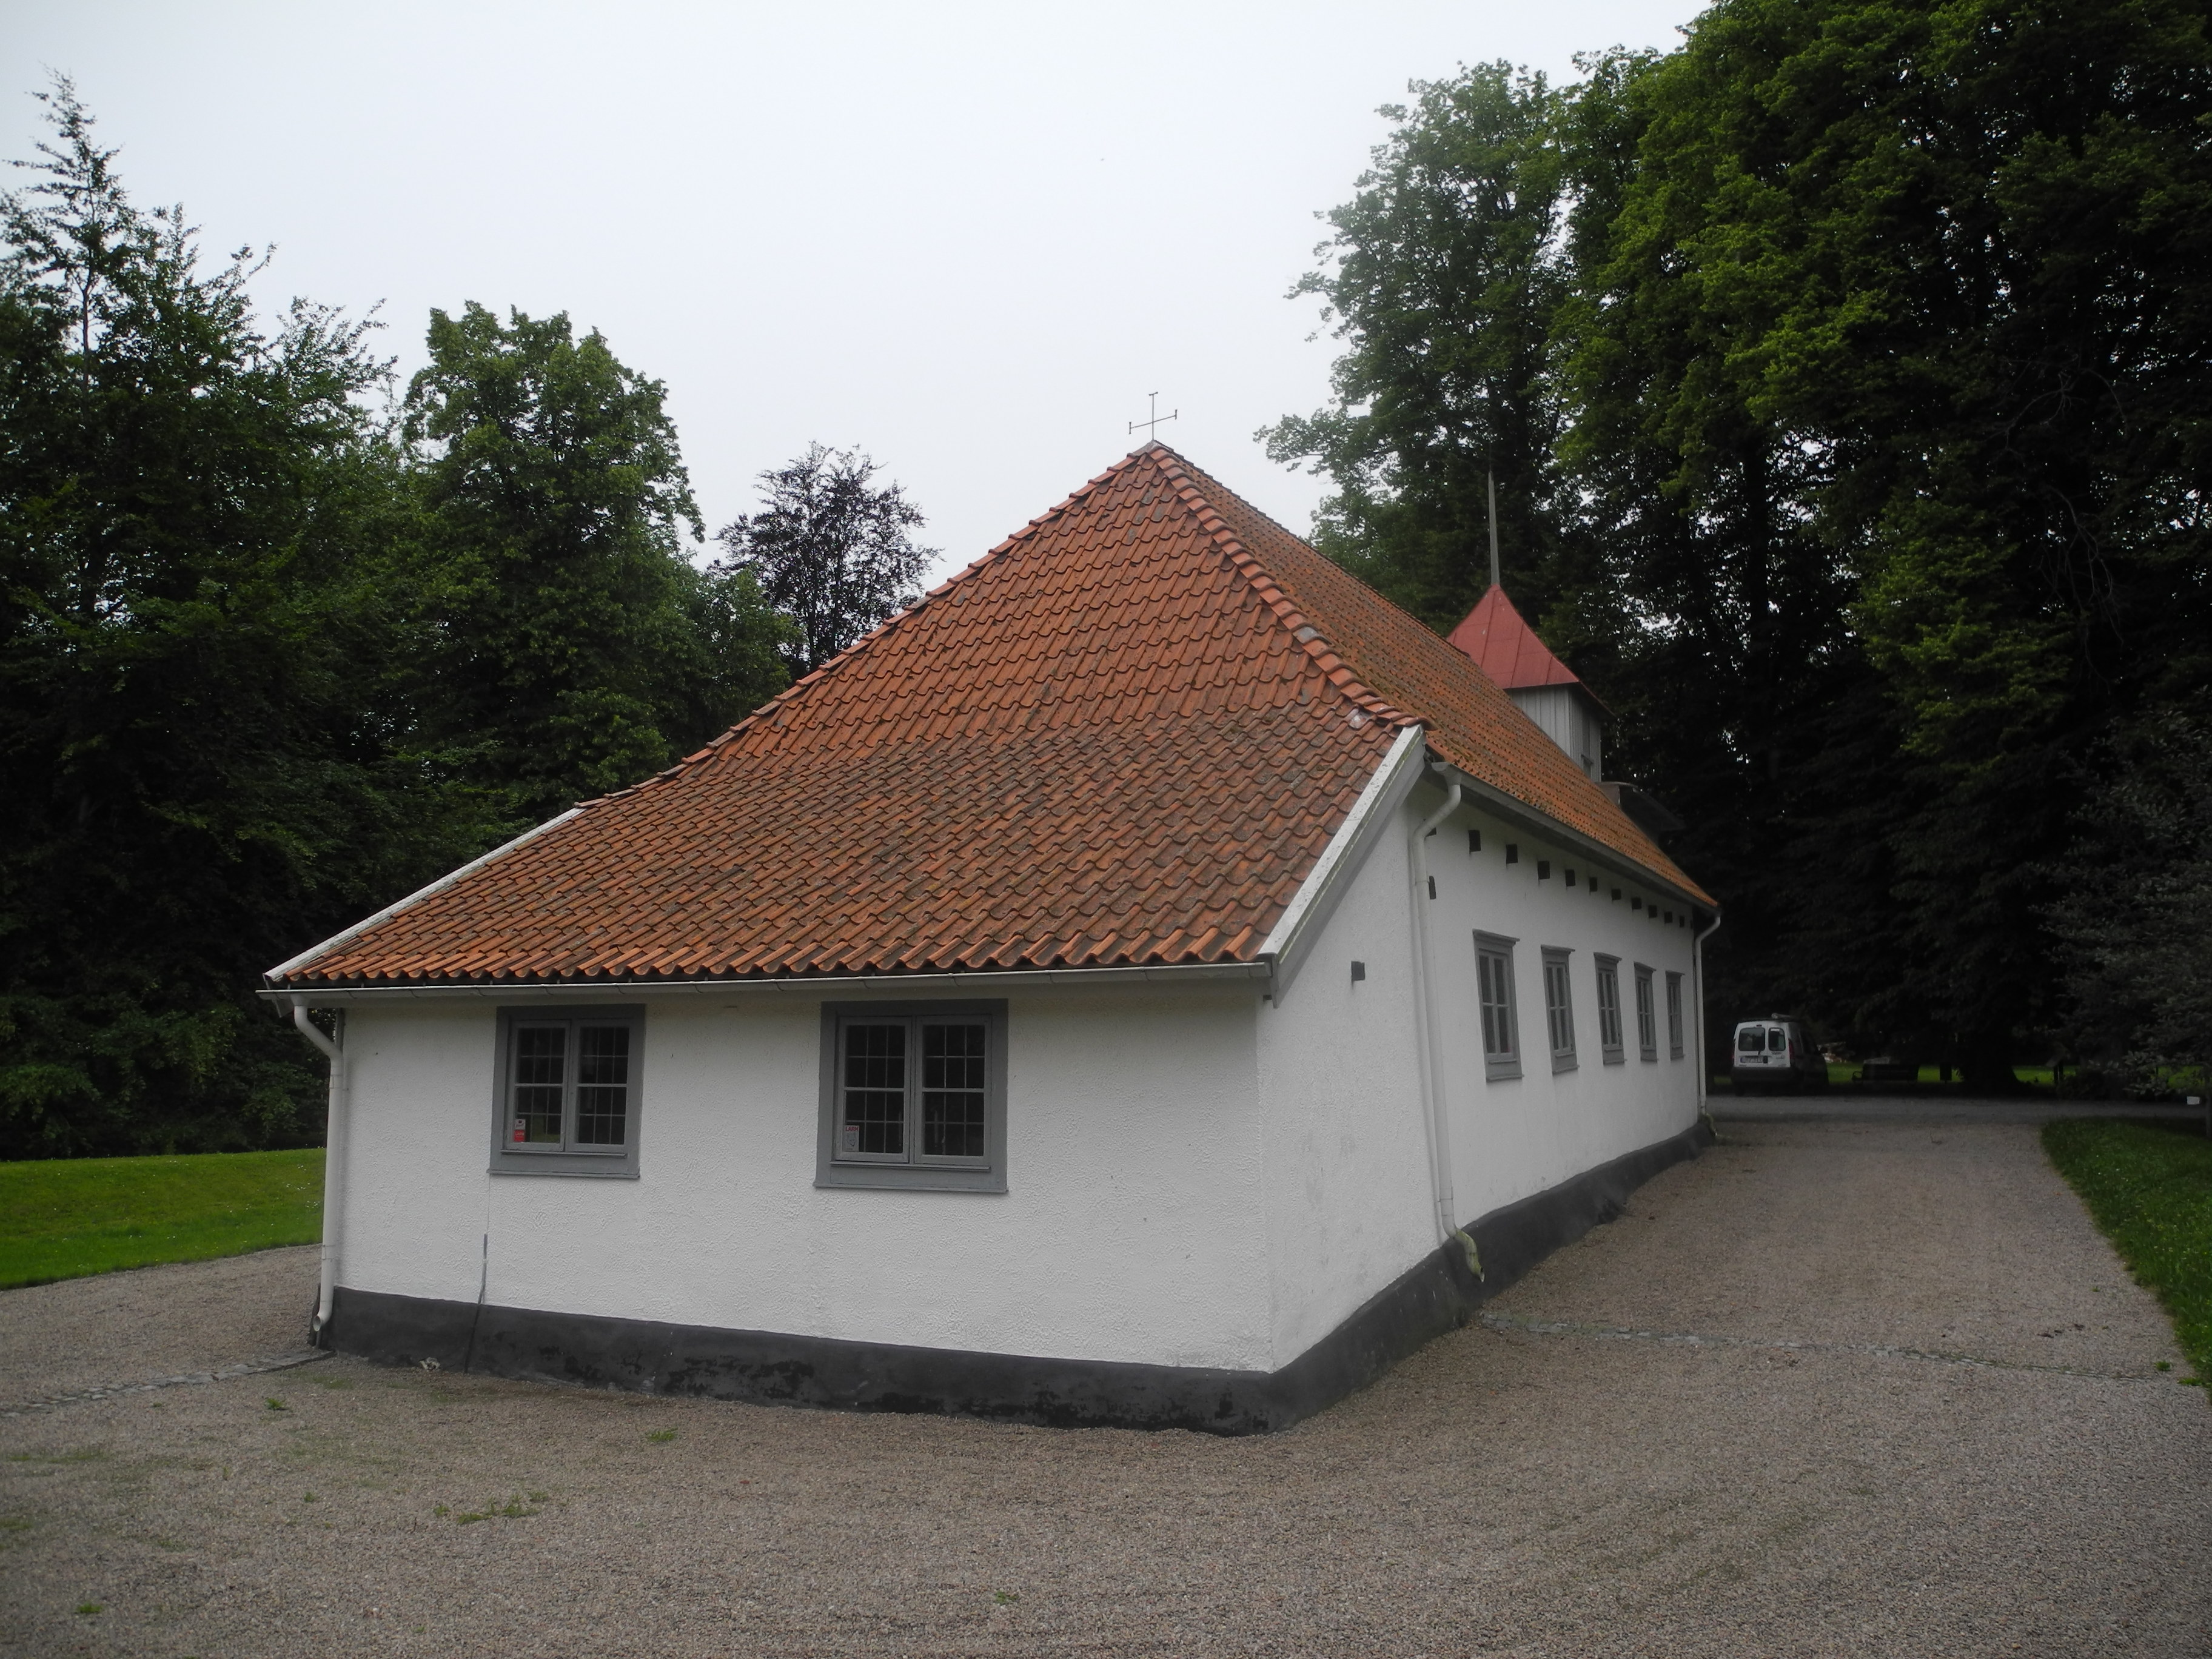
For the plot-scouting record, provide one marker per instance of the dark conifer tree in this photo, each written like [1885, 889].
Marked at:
[195, 777]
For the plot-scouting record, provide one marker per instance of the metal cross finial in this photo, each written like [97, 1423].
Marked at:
[1152, 431]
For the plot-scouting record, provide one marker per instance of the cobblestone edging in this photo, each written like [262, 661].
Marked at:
[1529, 1327]
[267, 1362]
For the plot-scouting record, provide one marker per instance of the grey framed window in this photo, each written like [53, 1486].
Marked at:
[914, 1095]
[1608, 1011]
[1647, 1015]
[1559, 1008]
[1674, 1016]
[1501, 1023]
[569, 1086]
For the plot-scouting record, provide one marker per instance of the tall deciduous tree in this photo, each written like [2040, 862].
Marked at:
[1883, 363]
[1949, 260]
[1444, 277]
[829, 550]
[572, 648]
[2133, 917]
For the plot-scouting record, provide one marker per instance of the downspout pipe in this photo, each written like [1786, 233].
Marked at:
[1432, 1079]
[1698, 975]
[333, 1163]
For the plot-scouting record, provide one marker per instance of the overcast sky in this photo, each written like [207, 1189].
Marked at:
[969, 239]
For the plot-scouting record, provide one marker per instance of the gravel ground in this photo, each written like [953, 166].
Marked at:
[1921, 1415]
[123, 1327]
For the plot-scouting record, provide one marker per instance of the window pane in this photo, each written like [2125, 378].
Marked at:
[875, 1090]
[952, 1091]
[1559, 1013]
[1493, 984]
[541, 1055]
[602, 1084]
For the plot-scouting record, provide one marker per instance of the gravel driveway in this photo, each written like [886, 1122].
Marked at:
[1921, 1414]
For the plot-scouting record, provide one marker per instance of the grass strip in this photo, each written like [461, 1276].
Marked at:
[2149, 1187]
[66, 1218]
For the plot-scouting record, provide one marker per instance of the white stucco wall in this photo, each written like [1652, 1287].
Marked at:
[1133, 1228]
[1348, 1182]
[1347, 1161]
[1197, 1176]
[1512, 1137]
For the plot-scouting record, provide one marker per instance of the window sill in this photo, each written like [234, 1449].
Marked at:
[1616, 1058]
[911, 1178]
[567, 1164]
[1502, 1071]
[1564, 1063]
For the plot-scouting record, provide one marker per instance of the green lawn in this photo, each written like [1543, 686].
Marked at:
[2149, 1186]
[65, 1217]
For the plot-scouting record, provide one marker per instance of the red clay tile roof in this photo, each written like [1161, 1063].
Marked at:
[1505, 648]
[1124, 737]
[1471, 721]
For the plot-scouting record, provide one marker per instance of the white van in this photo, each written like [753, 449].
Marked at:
[1774, 1054]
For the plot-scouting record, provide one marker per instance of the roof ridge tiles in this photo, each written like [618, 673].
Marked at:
[1271, 592]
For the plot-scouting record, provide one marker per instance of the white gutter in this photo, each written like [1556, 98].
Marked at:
[1697, 978]
[1315, 901]
[1425, 1013]
[414, 898]
[603, 990]
[333, 1164]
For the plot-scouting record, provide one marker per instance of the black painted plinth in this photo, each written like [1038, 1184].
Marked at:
[1439, 1293]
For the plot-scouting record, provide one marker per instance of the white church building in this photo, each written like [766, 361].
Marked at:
[1153, 980]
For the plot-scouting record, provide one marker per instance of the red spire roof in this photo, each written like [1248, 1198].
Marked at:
[1506, 648]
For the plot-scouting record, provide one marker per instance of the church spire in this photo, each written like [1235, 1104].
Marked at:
[1491, 480]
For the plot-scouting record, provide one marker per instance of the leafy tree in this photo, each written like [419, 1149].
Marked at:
[2133, 917]
[196, 781]
[1444, 277]
[741, 639]
[570, 647]
[828, 550]
[1743, 691]
[1879, 360]
[1949, 260]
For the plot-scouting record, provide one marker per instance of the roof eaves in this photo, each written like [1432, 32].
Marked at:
[338, 940]
[329, 993]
